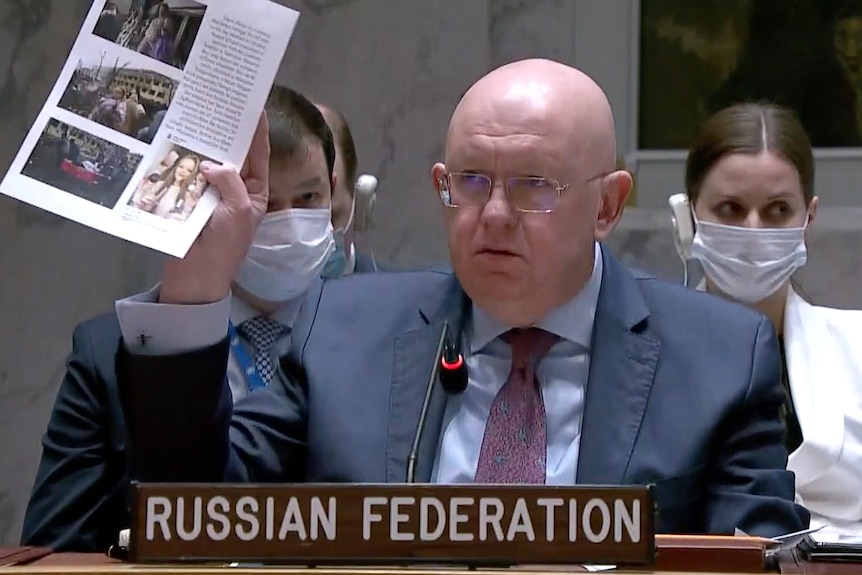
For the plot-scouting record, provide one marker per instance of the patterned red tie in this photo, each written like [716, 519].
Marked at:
[515, 444]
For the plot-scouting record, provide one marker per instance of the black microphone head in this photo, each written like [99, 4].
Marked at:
[453, 374]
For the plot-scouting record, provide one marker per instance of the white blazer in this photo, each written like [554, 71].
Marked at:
[823, 348]
[824, 366]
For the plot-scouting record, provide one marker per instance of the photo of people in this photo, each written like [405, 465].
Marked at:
[81, 164]
[119, 96]
[164, 30]
[173, 186]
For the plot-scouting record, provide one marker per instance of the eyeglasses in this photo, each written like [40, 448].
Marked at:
[535, 195]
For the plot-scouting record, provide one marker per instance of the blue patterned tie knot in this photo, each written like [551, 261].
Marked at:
[262, 332]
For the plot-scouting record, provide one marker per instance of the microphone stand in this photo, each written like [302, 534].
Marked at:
[423, 414]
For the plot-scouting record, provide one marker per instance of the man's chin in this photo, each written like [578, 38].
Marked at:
[497, 288]
[258, 303]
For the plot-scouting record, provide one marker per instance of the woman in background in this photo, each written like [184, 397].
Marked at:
[750, 185]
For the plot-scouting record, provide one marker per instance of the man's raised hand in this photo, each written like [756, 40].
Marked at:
[206, 273]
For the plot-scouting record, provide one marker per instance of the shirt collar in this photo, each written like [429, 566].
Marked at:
[285, 314]
[573, 321]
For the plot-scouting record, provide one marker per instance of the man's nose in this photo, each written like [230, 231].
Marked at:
[498, 210]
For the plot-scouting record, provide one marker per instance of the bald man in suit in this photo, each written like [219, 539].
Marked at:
[604, 375]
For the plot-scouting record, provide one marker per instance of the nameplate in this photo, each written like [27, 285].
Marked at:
[313, 524]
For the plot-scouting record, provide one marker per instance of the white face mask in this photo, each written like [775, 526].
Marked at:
[289, 251]
[748, 264]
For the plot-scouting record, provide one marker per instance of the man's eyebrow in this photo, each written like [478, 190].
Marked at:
[310, 182]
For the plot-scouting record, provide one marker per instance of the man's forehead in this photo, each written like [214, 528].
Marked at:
[304, 169]
[524, 113]
[478, 138]
[297, 175]
[308, 152]
[536, 139]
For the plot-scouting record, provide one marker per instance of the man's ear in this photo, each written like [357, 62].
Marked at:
[333, 183]
[438, 175]
[615, 188]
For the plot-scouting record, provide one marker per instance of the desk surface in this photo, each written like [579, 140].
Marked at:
[99, 564]
[74, 563]
[118, 569]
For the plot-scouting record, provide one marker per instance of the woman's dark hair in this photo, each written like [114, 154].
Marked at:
[749, 128]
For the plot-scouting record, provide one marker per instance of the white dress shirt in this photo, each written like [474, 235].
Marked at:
[154, 328]
[562, 374]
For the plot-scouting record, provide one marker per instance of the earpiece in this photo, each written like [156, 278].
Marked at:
[683, 229]
[365, 191]
[366, 185]
[683, 224]
[443, 191]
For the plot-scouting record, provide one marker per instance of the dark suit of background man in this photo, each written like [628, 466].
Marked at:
[606, 377]
[79, 499]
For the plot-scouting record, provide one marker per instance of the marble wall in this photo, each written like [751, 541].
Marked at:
[396, 69]
[54, 273]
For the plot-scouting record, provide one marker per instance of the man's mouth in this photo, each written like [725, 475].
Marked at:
[496, 252]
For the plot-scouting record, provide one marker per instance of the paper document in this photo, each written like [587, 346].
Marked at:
[775, 545]
[837, 538]
[149, 91]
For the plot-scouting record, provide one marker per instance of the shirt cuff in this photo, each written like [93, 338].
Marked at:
[153, 328]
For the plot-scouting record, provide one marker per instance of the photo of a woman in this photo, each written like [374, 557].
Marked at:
[173, 187]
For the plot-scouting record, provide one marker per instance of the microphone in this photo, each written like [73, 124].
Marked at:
[451, 369]
[423, 414]
[453, 372]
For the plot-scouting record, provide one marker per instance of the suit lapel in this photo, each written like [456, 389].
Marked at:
[818, 378]
[413, 359]
[622, 366]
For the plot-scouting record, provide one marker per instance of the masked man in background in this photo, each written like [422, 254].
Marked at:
[79, 499]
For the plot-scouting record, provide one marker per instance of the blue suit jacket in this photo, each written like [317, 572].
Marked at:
[364, 264]
[79, 500]
[683, 391]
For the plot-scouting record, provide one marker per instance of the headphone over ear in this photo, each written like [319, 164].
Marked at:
[683, 224]
[683, 229]
[365, 195]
